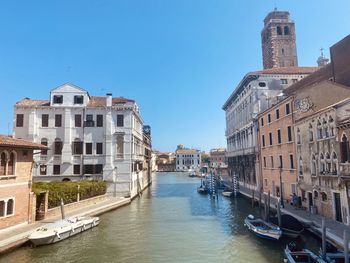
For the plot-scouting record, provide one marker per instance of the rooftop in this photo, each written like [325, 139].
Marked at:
[8, 141]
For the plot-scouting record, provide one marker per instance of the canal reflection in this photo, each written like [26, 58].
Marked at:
[171, 222]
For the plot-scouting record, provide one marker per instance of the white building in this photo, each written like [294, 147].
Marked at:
[188, 159]
[256, 92]
[88, 137]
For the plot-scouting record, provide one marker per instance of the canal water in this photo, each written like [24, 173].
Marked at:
[171, 222]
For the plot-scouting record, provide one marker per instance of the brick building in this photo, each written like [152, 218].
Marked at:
[277, 151]
[16, 198]
[278, 41]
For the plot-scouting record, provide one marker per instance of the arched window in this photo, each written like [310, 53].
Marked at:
[44, 142]
[311, 133]
[322, 164]
[11, 164]
[334, 163]
[344, 146]
[279, 30]
[286, 30]
[313, 165]
[324, 196]
[328, 163]
[315, 194]
[300, 165]
[3, 161]
[326, 131]
[58, 146]
[298, 136]
[319, 130]
[10, 207]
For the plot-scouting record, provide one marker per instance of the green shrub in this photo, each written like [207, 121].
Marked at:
[69, 190]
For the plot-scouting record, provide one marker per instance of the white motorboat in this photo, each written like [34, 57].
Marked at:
[227, 193]
[262, 228]
[62, 229]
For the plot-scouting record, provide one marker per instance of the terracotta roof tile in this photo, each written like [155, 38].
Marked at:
[13, 142]
[96, 101]
[186, 151]
[287, 70]
[30, 102]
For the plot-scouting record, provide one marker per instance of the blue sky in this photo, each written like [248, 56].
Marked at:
[180, 59]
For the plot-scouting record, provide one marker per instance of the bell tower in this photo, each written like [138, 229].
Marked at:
[278, 41]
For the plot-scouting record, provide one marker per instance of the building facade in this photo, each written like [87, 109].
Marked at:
[277, 150]
[17, 201]
[217, 158]
[187, 159]
[279, 41]
[88, 137]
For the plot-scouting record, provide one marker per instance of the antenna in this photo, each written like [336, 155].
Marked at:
[8, 129]
[321, 49]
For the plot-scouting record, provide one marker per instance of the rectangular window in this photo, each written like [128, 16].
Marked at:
[99, 148]
[264, 161]
[289, 131]
[277, 114]
[120, 120]
[287, 109]
[45, 120]
[58, 147]
[291, 161]
[77, 120]
[98, 169]
[78, 99]
[279, 136]
[294, 80]
[269, 118]
[77, 147]
[19, 120]
[262, 121]
[99, 121]
[88, 169]
[10, 207]
[43, 169]
[89, 121]
[88, 148]
[284, 81]
[263, 140]
[58, 120]
[281, 161]
[265, 182]
[57, 169]
[2, 208]
[271, 158]
[58, 99]
[270, 136]
[120, 146]
[76, 169]
[44, 142]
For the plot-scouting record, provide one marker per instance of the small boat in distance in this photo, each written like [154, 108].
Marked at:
[191, 173]
[62, 229]
[227, 193]
[262, 228]
[291, 227]
[303, 255]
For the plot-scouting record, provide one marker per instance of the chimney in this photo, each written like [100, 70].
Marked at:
[109, 100]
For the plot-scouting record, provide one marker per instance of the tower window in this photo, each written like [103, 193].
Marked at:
[279, 30]
[286, 30]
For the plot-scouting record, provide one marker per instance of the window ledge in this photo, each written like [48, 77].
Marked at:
[4, 177]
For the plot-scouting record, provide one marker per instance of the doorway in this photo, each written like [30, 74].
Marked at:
[310, 200]
[337, 206]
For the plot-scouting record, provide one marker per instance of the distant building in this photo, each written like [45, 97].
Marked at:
[217, 158]
[165, 162]
[88, 137]
[17, 202]
[187, 159]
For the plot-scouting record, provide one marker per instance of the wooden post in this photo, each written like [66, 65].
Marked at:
[62, 209]
[253, 199]
[279, 213]
[260, 203]
[265, 205]
[323, 238]
[78, 194]
[346, 246]
[268, 207]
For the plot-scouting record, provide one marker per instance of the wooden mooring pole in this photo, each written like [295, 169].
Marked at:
[260, 203]
[268, 207]
[62, 209]
[279, 213]
[265, 206]
[253, 199]
[323, 238]
[346, 246]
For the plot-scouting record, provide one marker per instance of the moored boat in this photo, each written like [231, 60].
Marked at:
[227, 193]
[62, 229]
[337, 257]
[291, 227]
[262, 228]
[301, 256]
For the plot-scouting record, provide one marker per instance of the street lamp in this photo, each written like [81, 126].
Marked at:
[281, 189]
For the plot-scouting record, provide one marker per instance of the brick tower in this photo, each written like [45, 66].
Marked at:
[278, 41]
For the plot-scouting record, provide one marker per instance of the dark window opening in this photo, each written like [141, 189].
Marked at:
[19, 120]
[58, 120]
[58, 99]
[76, 169]
[45, 120]
[77, 120]
[57, 169]
[99, 148]
[88, 148]
[78, 99]
[99, 121]
[120, 120]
